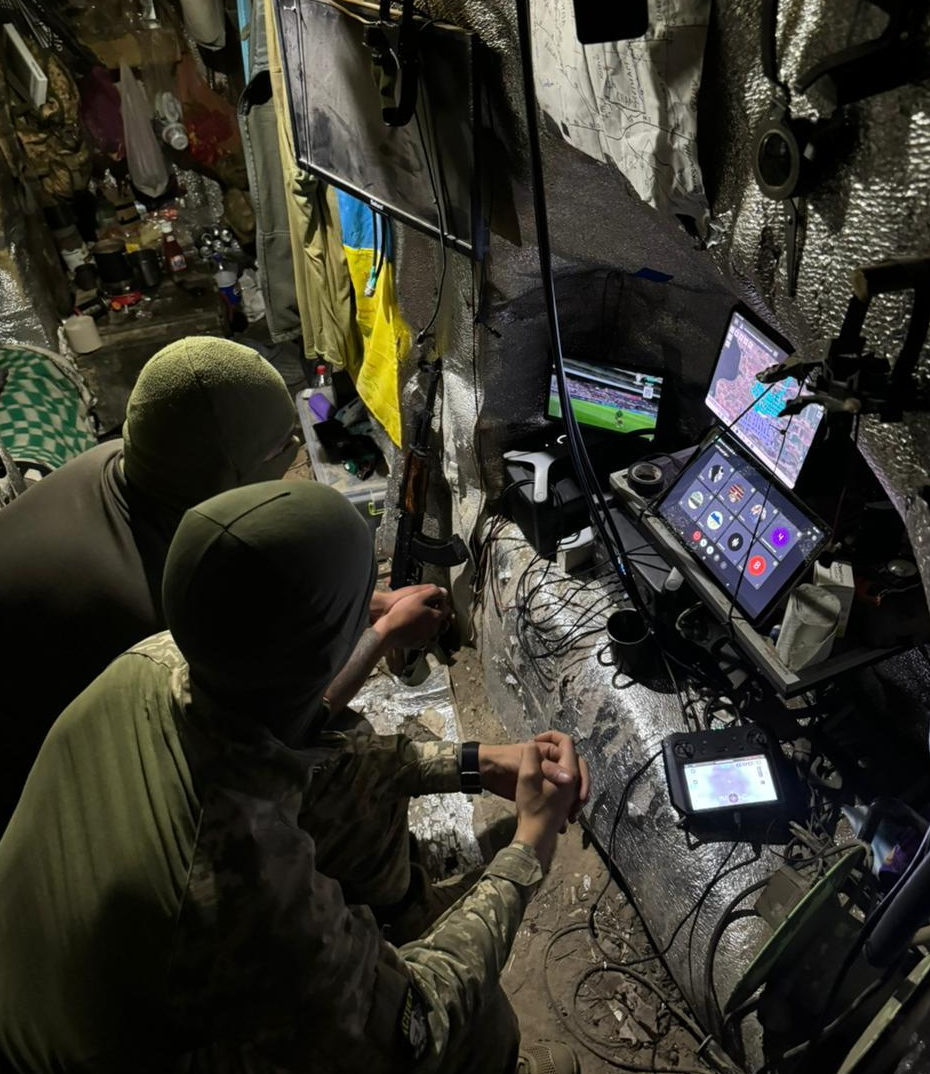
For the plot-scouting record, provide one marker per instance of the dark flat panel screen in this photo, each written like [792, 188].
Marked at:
[339, 132]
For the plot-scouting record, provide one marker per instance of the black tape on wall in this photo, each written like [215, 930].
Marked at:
[597, 21]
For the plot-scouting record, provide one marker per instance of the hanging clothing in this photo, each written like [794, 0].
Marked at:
[259, 128]
[350, 314]
[324, 288]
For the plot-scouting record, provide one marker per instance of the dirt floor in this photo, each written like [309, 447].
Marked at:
[560, 983]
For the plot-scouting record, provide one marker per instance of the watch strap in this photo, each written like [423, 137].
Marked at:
[470, 774]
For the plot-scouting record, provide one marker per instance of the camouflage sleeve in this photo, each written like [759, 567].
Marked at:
[428, 997]
[267, 951]
[394, 765]
[460, 960]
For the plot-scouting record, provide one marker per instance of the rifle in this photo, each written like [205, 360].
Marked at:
[412, 548]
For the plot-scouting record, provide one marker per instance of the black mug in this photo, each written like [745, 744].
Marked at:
[110, 257]
[85, 277]
[629, 642]
[146, 268]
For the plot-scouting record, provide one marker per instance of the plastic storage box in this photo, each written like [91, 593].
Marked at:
[366, 496]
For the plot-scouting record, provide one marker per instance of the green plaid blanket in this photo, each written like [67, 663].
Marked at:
[44, 408]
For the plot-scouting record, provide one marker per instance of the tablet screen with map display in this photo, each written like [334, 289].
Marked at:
[751, 410]
[608, 397]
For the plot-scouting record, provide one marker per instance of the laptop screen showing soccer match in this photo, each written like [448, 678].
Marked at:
[751, 409]
[608, 397]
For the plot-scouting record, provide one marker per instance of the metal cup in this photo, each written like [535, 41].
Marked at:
[110, 257]
[145, 263]
[629, 642]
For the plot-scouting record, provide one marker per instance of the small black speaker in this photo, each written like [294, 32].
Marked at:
[597, 21]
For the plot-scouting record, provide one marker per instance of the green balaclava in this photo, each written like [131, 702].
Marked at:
[206, 415]
[266, 592]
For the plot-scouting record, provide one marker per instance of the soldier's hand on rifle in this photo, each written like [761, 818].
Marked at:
[415, 617]
[383, 600]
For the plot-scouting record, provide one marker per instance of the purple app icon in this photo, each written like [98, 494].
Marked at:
[780, 537]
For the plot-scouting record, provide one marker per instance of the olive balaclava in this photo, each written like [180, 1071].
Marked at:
[266, 592]
[206, 415]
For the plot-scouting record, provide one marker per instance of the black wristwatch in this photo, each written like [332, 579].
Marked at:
[470, 774]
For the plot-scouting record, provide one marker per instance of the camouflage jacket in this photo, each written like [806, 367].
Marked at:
[160, 858]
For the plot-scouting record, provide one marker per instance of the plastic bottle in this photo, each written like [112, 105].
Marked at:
[174, 255]
[175, 135]
[67, 238]
[227, 283]
[322, 398]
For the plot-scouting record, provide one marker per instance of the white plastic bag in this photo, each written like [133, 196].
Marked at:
[143, 153]
[205, 21]
[253, 302]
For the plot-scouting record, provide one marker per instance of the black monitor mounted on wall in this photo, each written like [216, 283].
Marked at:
[408, 149]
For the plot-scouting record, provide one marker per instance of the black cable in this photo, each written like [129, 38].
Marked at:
[592, 1043]
[674, 681]
[727, 918]
[769, 47]
[441, 223]
[574, 1025]
[597, 506]
[611, 844]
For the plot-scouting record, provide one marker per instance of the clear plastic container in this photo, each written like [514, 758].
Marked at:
[367, 497]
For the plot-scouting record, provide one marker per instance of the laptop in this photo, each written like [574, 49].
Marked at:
[612, 398]
[731, 505]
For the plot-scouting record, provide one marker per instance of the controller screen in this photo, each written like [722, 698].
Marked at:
[728, 784]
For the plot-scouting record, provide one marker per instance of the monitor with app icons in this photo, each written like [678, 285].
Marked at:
[745, 532]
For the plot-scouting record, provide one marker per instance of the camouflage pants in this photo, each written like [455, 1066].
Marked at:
[362, 840]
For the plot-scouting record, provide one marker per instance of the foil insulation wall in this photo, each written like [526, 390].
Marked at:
[873, 204]
[442, 823]
[548, 664]
[28, 261]
[619, 724]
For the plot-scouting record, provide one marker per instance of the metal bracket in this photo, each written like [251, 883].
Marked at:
[395, 52]
[851, 380]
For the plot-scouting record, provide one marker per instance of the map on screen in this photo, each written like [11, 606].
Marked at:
[779, 443]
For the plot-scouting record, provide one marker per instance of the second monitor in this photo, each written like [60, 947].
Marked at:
[609, 397]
